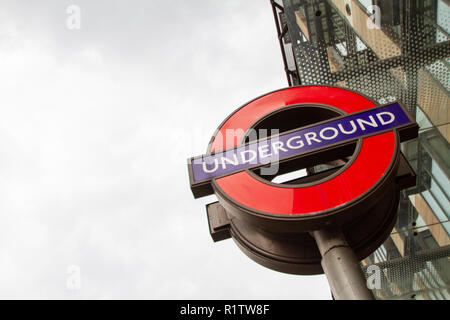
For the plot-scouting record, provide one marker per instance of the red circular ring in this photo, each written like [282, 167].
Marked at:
[368, 168]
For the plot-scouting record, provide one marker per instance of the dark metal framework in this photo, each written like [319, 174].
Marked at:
[283, 38]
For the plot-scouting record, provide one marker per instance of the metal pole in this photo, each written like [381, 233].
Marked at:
[339, 262]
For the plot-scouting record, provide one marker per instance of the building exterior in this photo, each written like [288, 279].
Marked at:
[388, 50]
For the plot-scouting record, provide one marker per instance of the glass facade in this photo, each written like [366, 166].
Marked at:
[389, 50]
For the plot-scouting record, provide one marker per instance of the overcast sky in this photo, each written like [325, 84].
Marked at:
[96, 125]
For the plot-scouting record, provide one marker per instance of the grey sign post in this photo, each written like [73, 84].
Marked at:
[341, 266]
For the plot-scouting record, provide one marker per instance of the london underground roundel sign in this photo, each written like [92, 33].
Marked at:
[349, 147]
